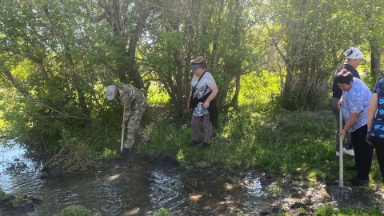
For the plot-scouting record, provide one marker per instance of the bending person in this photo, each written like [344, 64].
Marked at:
[354, 107]
[135, 105]
[353, 60]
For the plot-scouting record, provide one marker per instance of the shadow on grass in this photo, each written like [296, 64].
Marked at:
[289, 144]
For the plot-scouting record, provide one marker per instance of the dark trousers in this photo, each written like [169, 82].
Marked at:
[363, 152]
[378, 144]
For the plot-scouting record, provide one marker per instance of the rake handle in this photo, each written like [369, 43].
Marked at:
[341, 143]
[122, 133]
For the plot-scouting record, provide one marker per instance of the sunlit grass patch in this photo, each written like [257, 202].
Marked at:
[75, 210]
[157, 95]
[258, 90]
[348, 211]
[300, 143]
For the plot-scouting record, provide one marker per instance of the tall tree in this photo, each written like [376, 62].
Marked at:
[310, 37]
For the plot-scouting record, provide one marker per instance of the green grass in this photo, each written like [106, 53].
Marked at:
[16, 201]
[75, 211]
[157, 96]
[349, 211]
[300, 143]
[162, 212]
[3, 195]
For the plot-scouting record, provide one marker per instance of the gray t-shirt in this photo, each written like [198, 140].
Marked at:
[201, 90]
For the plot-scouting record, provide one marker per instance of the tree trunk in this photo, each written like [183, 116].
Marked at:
[375, 63]
[236, 46]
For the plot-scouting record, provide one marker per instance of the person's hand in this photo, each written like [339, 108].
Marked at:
[206, 105]
[343, 134]
[123, 125]
[339, 103]
[368, 138]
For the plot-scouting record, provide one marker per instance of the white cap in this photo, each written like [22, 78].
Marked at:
[111, 92]
[353, 53]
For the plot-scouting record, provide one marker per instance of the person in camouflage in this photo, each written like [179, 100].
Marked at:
[135, 105]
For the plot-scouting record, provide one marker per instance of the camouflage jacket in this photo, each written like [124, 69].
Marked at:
[131, 98]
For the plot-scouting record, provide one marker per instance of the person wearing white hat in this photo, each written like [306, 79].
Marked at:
[354, 58]
[135, 105]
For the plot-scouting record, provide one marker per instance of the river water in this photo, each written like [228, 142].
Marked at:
[139, 189]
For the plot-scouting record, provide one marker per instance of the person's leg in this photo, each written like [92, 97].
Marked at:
[347, 143]
[195, 120]
[364, 155]
[357, 152]
[207, 130]
[140, 130]
[336, 112]
[133, 126]
[378, 144]
[367, 152]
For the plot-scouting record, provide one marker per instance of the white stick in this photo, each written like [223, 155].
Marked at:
[122, 132]
[341, 178]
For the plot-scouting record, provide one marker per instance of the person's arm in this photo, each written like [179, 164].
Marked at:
[351, 121]
[212, 96]
[372, 110]
[340, 102]
[354, 108]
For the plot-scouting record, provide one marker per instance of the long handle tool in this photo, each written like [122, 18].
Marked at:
[341, 192]
[122, 133]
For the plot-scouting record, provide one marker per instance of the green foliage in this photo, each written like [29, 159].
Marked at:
[157, 96]
[162, 212]
[76, 155]
[258, 91]
[3, 195]
[16, 201]
[254, 136]
[109, 155]
[350, 211]
[75, 211]
[57, 58]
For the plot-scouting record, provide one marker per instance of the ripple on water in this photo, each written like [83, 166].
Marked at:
[141, 188]
[19, 174]
[253, 186]
[165, 190]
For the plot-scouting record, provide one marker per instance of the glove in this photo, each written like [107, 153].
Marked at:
[368, 138]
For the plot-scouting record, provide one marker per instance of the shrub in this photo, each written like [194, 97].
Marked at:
[162, 212]
[75, 211]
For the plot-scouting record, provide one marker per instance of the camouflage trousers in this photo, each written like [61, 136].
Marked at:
[134, 127]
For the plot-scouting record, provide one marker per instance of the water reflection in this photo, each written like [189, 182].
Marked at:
[253, 186]
[165, 190]
[138, 189]
[18, 173]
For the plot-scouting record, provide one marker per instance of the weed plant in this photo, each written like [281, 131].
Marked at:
[257, 134]
[75, 211]
[348, 211]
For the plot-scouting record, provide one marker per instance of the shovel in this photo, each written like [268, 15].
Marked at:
[341, 192]
[122, 133]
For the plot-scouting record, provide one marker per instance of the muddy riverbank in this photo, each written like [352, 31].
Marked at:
[143, 185]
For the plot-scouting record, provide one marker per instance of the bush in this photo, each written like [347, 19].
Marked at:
[75, 211]
[162, 212]
[3, 195]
